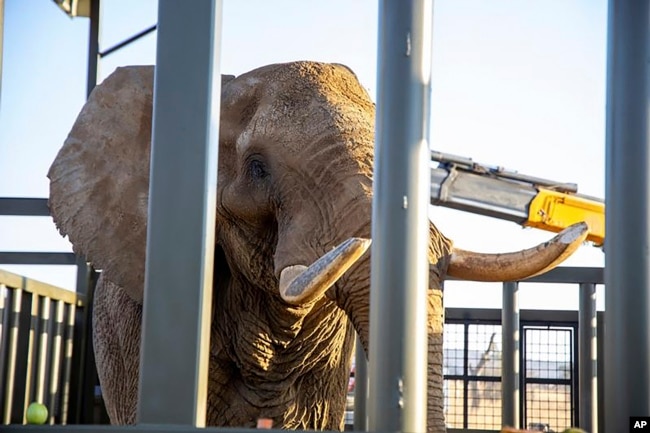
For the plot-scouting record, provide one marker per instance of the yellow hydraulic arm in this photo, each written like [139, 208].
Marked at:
[460, 183]
[554, 211]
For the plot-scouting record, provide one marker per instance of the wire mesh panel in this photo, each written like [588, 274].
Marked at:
[454, 403]
[454, 370]
[484, 376]
[549, 377]
[473, 375]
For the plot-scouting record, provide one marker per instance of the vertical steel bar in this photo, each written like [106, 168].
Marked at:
[399, 281]
[600, 349]
[627, 250]
[510, 382]
[465, 375]
[5, 312]
[56, 352]
[360, 388]
[84, 374]
[67, 363]
[182, 204]
[93, 46]
[587, 359]
[22, 322]
[12, 348]
[2, 31]
[43, 351]
[32, 350]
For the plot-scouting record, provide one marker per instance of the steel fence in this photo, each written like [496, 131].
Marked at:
[473, 377]
[37, 342]
[45, 335]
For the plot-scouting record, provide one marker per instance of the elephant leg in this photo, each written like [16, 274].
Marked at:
[116, 337]
[435, 405]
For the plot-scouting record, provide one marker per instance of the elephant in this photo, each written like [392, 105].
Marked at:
[292, 267]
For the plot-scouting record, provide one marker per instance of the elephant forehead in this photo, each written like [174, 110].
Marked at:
[293, 104]
[292, 128]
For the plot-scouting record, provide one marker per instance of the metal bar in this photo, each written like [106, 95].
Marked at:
[627, 250]
[600, 392]
[31, 258]
[67, 363]
[128, 41]
[465, 374]
[542, 381]
[42, 289]
[510, 387]
[574, 377]
[399, 280]
[182, 197]
[20, 372]
[523, 373]
[42, 369]
[5, 312]
[10, 346]
[2, 31]
[32, 352]
[84, 374]
[93, 46]
[77, 402]
[587, 359]
[55, 375]
[473, 378]
[16, 206]
[88, 372]
[360, 388]
[493, 316]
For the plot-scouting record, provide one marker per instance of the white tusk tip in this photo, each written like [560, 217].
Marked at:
[573, 233]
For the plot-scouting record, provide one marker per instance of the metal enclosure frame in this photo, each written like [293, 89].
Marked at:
[627, 250]
[628, 214]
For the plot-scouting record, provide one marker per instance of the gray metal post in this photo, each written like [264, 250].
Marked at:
[93, 46]
[510, 355]
[180, 238]
[360, 388]
[587, 373]
[2, 31]
[600, 370]
[398, 313]
[627, 270]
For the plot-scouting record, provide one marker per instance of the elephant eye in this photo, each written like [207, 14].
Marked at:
[257, 170]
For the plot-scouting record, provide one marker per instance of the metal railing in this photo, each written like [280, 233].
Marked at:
[45, 334]
[37, 342]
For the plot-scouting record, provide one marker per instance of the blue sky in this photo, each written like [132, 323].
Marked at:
[516, 84]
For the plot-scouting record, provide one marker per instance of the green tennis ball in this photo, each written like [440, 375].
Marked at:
[36, 413]
[574, 430]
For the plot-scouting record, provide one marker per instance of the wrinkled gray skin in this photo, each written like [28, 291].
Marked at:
[295, 180]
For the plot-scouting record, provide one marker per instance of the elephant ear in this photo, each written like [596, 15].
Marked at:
[99, 180]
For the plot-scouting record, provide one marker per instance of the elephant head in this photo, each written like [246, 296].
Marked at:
[293, 226]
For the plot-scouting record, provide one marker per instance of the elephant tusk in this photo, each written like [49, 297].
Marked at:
[300, 284]
[470, 266]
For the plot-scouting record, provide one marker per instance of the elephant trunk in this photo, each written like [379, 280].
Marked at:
[355, 304]
[352, 294]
